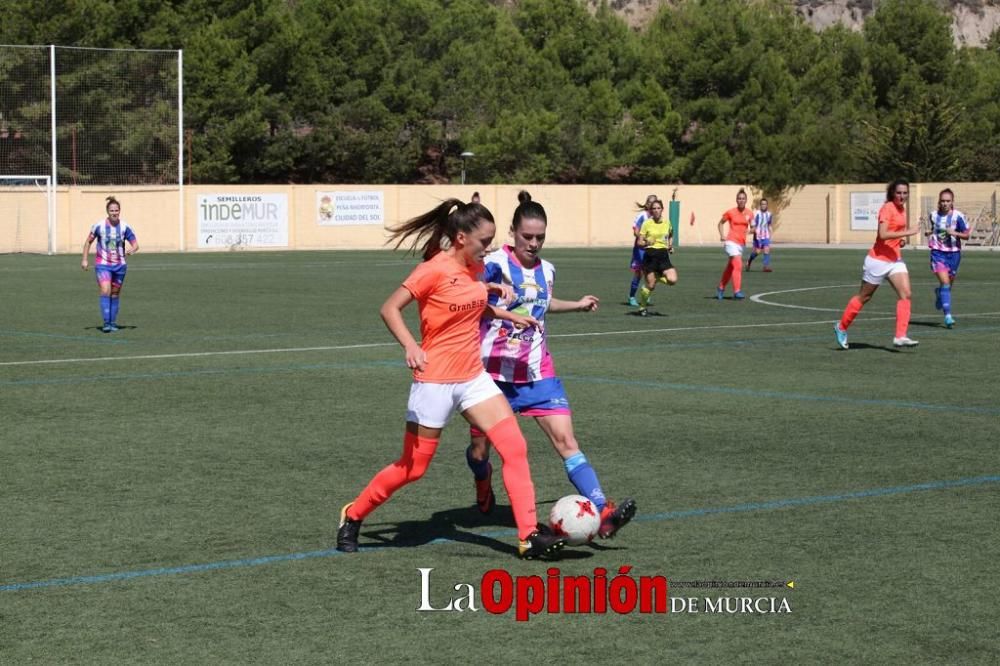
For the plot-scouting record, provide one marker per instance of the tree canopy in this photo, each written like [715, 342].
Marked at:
[711, 91]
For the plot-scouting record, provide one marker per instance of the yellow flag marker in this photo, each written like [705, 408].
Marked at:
[790, 584]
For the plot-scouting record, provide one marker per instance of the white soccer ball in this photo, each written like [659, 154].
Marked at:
[576, 518]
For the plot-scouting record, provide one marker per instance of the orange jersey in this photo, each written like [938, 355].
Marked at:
[895, 220]
[738, 220]
[451, 299]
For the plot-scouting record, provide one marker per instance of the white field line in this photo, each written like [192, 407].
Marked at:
[296, 350]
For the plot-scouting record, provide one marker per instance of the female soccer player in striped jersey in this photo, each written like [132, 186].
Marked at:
[112, 233]
[520, 363]
[885, 262]
[760, 226]
[448, 372]
[948, 229]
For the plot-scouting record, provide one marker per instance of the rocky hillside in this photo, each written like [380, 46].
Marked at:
[972, 20]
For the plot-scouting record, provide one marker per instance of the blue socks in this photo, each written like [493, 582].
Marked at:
[584, 478]
[106, 308]
[634, 287]
[753, 255]
[114, 308]
[767, 260]
[580, 473]
[480, 468]
[944, 293]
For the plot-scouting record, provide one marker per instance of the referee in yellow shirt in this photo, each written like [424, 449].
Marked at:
[657, 237]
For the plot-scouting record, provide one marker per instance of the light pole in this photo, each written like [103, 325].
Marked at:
[465, 156]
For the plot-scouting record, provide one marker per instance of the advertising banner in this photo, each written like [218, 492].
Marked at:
[350, 208]
[242, 220]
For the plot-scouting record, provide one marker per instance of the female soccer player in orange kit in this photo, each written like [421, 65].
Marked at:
[884, 262]
[733, 242]
[448, 372]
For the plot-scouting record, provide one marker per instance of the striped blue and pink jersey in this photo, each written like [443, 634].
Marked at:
[939, 239]
[639, 219]
[762, 225]
[111, 242]
[510, 354]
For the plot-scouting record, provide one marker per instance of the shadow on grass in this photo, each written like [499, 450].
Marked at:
[457, 525]
[928, 324]
[649, 313]
[121, 327]
[862, 345]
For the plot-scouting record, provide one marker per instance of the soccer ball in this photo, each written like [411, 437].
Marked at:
[576, 518]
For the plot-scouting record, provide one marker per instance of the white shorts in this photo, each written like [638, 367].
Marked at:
[431, 405]
[733, 249]
[876, 271]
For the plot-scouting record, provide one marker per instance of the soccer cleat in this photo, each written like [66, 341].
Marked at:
[632, 302]
[613, 518]
[485, 499]
[114, 326]
[643, 312]
[347, 533]
[841, 336]
[937, 299]
[540, 545]
[768, 269]
[662, 278]
[107, 327]
[739, 296]
[720, 293]
[904, 342]
[949, 321]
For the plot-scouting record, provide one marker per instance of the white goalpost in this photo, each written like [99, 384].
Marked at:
[28, 214]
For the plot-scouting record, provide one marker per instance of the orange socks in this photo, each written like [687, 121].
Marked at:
[734, 272]
[851, 311]
[417, 454]
[736, 263]
[902, 317]
[726, 275]
[513, 449]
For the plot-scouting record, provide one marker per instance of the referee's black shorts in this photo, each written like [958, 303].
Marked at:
[656, 261]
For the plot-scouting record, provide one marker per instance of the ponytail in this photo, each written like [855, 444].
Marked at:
[649, 202]
[443, 221]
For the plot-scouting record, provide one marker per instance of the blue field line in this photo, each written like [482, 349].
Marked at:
[656, 517]
[175, 374]
[96, 338]
[750, 342]
[821, 499]
[632, 383]
[780, 395]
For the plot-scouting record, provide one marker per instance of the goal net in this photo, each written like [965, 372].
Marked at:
[87, 117]
[118, 116]
[26, 214]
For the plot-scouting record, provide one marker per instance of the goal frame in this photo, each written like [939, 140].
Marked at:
[45, 181]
